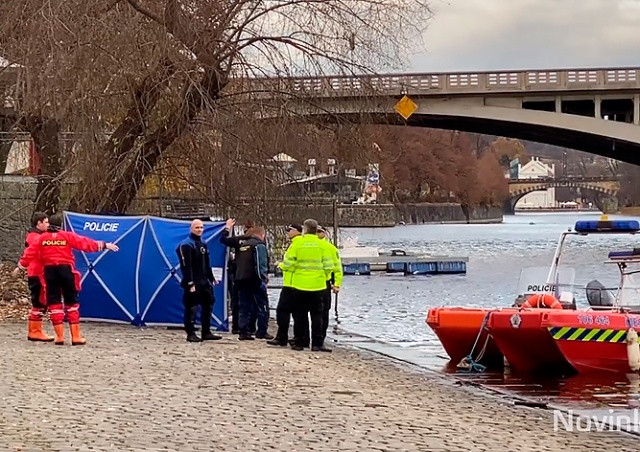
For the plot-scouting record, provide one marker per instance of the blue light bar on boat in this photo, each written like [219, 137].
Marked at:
[586, 227]
[625, 254]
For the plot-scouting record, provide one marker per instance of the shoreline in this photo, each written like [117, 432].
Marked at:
[133, 389]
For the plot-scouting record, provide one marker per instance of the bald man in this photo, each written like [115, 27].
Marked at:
[197, 283]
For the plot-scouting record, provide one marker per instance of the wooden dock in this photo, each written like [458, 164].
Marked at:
[408, 265]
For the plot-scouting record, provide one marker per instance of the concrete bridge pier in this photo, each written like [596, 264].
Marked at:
[508, 207]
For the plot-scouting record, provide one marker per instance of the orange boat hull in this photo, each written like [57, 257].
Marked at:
[592, 341]
[458, 328]
[525, 342]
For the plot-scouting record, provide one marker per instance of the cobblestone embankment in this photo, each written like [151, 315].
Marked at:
[133, 389]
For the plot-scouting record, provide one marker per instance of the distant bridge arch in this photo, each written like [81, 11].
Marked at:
[520, 187]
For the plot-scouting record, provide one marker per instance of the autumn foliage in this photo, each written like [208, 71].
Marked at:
[427, 165]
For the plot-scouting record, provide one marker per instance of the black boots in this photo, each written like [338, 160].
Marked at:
[210, 337]
[320, 348]
[193, 337]
[207, 336]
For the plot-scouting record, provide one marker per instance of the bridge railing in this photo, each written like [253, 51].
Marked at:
[542, 180]
[450, 83]
[526, 81]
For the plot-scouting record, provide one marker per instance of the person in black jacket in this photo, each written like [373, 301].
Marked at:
[233, 287]
[251, 259]
[197, 283]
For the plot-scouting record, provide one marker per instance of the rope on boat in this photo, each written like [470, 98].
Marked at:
[468, 362]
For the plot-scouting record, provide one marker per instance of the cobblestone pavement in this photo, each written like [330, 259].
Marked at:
[133, 389]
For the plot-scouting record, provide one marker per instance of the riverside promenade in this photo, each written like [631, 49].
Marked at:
[149, 390]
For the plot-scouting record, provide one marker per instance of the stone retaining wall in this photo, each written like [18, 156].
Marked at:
[447, 213]
[17, 196]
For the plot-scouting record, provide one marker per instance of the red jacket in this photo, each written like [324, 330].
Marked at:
[55, 248]
[35, 266]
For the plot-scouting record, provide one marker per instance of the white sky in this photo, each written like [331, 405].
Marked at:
[475, 35]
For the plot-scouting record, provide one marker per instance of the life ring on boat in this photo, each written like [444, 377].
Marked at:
[542, 300]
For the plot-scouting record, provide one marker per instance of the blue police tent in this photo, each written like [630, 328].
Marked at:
[140, 284]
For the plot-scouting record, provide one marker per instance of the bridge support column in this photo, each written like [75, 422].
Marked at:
[606, 203]
[509, 207]
[636, 109]
[598, 105]
[558, 104]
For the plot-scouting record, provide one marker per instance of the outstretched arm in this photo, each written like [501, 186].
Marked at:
[88, 245]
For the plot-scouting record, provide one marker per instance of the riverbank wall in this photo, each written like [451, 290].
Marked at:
[17, 197]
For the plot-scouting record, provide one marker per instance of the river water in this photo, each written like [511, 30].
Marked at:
[392, 308]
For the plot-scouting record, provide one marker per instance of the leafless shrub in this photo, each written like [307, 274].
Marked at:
[130, 80]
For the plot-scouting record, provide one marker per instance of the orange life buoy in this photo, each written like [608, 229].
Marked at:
[542, 300]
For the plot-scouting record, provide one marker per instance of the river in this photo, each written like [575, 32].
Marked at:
[393, 308]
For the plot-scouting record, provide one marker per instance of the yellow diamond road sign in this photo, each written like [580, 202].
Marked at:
[406, 107]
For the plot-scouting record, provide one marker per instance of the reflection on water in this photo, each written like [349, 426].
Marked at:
[392, 308]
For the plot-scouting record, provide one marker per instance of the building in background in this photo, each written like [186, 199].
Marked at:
[536, 169]
[345, 188]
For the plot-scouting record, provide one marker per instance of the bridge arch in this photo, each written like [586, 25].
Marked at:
[522, 187]
[612, 139]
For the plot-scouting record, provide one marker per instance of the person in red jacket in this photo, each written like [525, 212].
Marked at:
[39, 224]
[54, 249]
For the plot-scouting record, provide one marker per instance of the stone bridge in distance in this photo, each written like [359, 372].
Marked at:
[599, 186]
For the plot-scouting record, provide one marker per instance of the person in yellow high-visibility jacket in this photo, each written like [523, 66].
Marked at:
[333, 282]
[309, 263]
[288, 296]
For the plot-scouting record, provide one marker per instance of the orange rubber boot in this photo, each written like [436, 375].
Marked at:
[59, 330]
[36, 333]
[76, 335]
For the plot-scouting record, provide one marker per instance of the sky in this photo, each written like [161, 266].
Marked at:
[478, 35]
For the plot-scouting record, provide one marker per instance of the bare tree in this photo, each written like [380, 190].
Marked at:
[130, 78]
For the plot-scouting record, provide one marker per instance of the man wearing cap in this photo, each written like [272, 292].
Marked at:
[333, 282]
[309, 263]
[288, 297]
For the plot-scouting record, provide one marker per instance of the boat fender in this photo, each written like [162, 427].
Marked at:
[633, 350]
[542, 300]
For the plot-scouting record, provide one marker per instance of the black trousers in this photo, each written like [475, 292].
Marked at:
[203, 297]
[308, 303]
[35, 289]
[59, 281]
[285, 309]
[235, 306]
[326, 309]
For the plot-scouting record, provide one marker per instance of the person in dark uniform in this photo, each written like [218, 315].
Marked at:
[197, 283]
[233, 287]
[251, 278]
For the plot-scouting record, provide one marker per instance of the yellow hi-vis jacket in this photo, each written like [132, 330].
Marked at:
[337, 263]
[309, 262]
[287, 276]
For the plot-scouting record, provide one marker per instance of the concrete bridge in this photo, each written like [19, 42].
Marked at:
[603, 186]
[593, 110]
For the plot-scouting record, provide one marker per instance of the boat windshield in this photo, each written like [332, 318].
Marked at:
[628, 295]
[535, 280]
